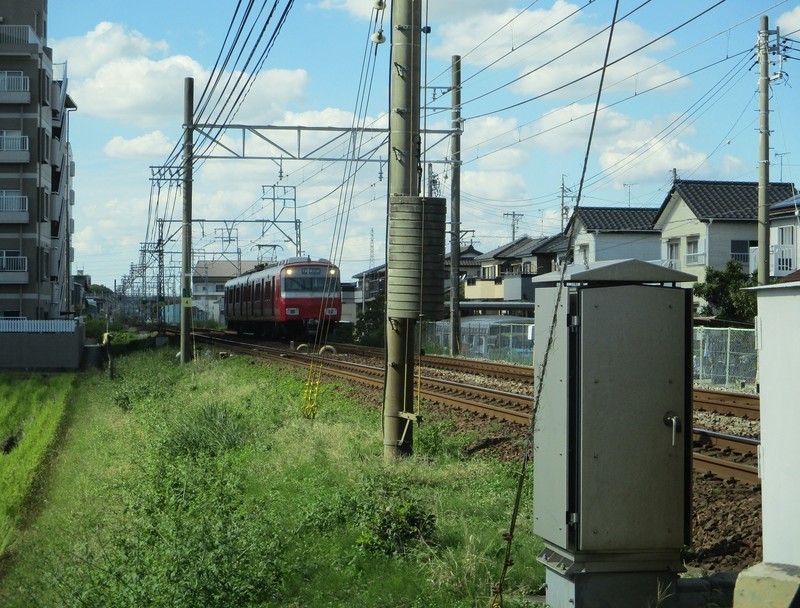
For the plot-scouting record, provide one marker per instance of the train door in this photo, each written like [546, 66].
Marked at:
[275, 296]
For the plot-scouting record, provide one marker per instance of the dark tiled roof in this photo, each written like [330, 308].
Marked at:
[617, 219]
[552, 244]
[509, 250]
[734, 201]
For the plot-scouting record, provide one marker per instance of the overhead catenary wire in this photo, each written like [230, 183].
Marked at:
[540, 373]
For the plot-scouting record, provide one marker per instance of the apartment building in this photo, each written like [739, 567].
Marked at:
[36, 168]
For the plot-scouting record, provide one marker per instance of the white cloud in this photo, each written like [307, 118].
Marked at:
[137, 91]
[493, 133]
[119, 75]
[155, 143]
[790, 21]
[543, 61]
[641, 159]
[494, 185]
[106, 43]
[442, 9]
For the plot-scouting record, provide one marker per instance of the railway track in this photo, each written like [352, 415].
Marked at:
[724, 455]
[721, 402]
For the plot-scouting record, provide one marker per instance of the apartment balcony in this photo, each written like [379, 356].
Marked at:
[14, 270]
[14, 210]
[14, 149]
[15, 89]
[17, 36]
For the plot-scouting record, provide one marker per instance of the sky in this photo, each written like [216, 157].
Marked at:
[680, 96]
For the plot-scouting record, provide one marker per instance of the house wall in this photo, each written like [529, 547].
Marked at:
[779, 458]
[680, 225]
[720, 236]
[618, 246]
[478, 289]
[783, 259]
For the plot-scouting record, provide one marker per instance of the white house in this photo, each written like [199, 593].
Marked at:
[613, 233]
[783, 224]
[706, 223]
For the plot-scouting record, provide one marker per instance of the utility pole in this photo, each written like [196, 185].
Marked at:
[404, 169]
[515, 217]
[455, 210]
[186, 258]
[763, 153]
[564, 208]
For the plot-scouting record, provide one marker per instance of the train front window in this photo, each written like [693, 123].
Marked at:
[318, 283]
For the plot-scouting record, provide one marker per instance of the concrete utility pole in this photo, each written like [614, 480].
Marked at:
[186, 258]
[763, 154]
[404, 169]
[515, 218]
[455, 210]
[416, 230]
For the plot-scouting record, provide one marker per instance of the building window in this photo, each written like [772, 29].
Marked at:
[583, 254]
[740, 251]
[488, 272]
[219, 287]
[693, 253]
[785, 250]
[674, 254]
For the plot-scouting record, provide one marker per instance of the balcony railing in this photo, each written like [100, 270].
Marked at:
[784, 260]
[14, 263]
[13, 204]
[13, 143]
[14, 209]
[742, 258]
[673, 263]
[14, 84]
[18, 34]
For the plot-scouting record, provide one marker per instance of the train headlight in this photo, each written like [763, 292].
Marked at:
[292, 312]
[332, 271]
[290, 271]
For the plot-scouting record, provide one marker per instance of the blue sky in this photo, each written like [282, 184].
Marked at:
[687, 101]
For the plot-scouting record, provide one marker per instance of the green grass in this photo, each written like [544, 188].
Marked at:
[31, 409]
[204, 485]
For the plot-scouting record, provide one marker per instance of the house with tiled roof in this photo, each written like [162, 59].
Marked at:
[706, 223]
[784, 250]
[373, 280]
[614, 233]
[505, 272]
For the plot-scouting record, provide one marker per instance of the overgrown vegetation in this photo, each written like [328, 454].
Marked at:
[31, 409]
[723, 291]
[203, 485]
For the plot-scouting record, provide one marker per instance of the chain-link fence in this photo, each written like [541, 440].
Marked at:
[495, 337]
[724, 356]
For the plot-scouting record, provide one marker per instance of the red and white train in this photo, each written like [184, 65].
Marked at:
[288, 299]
